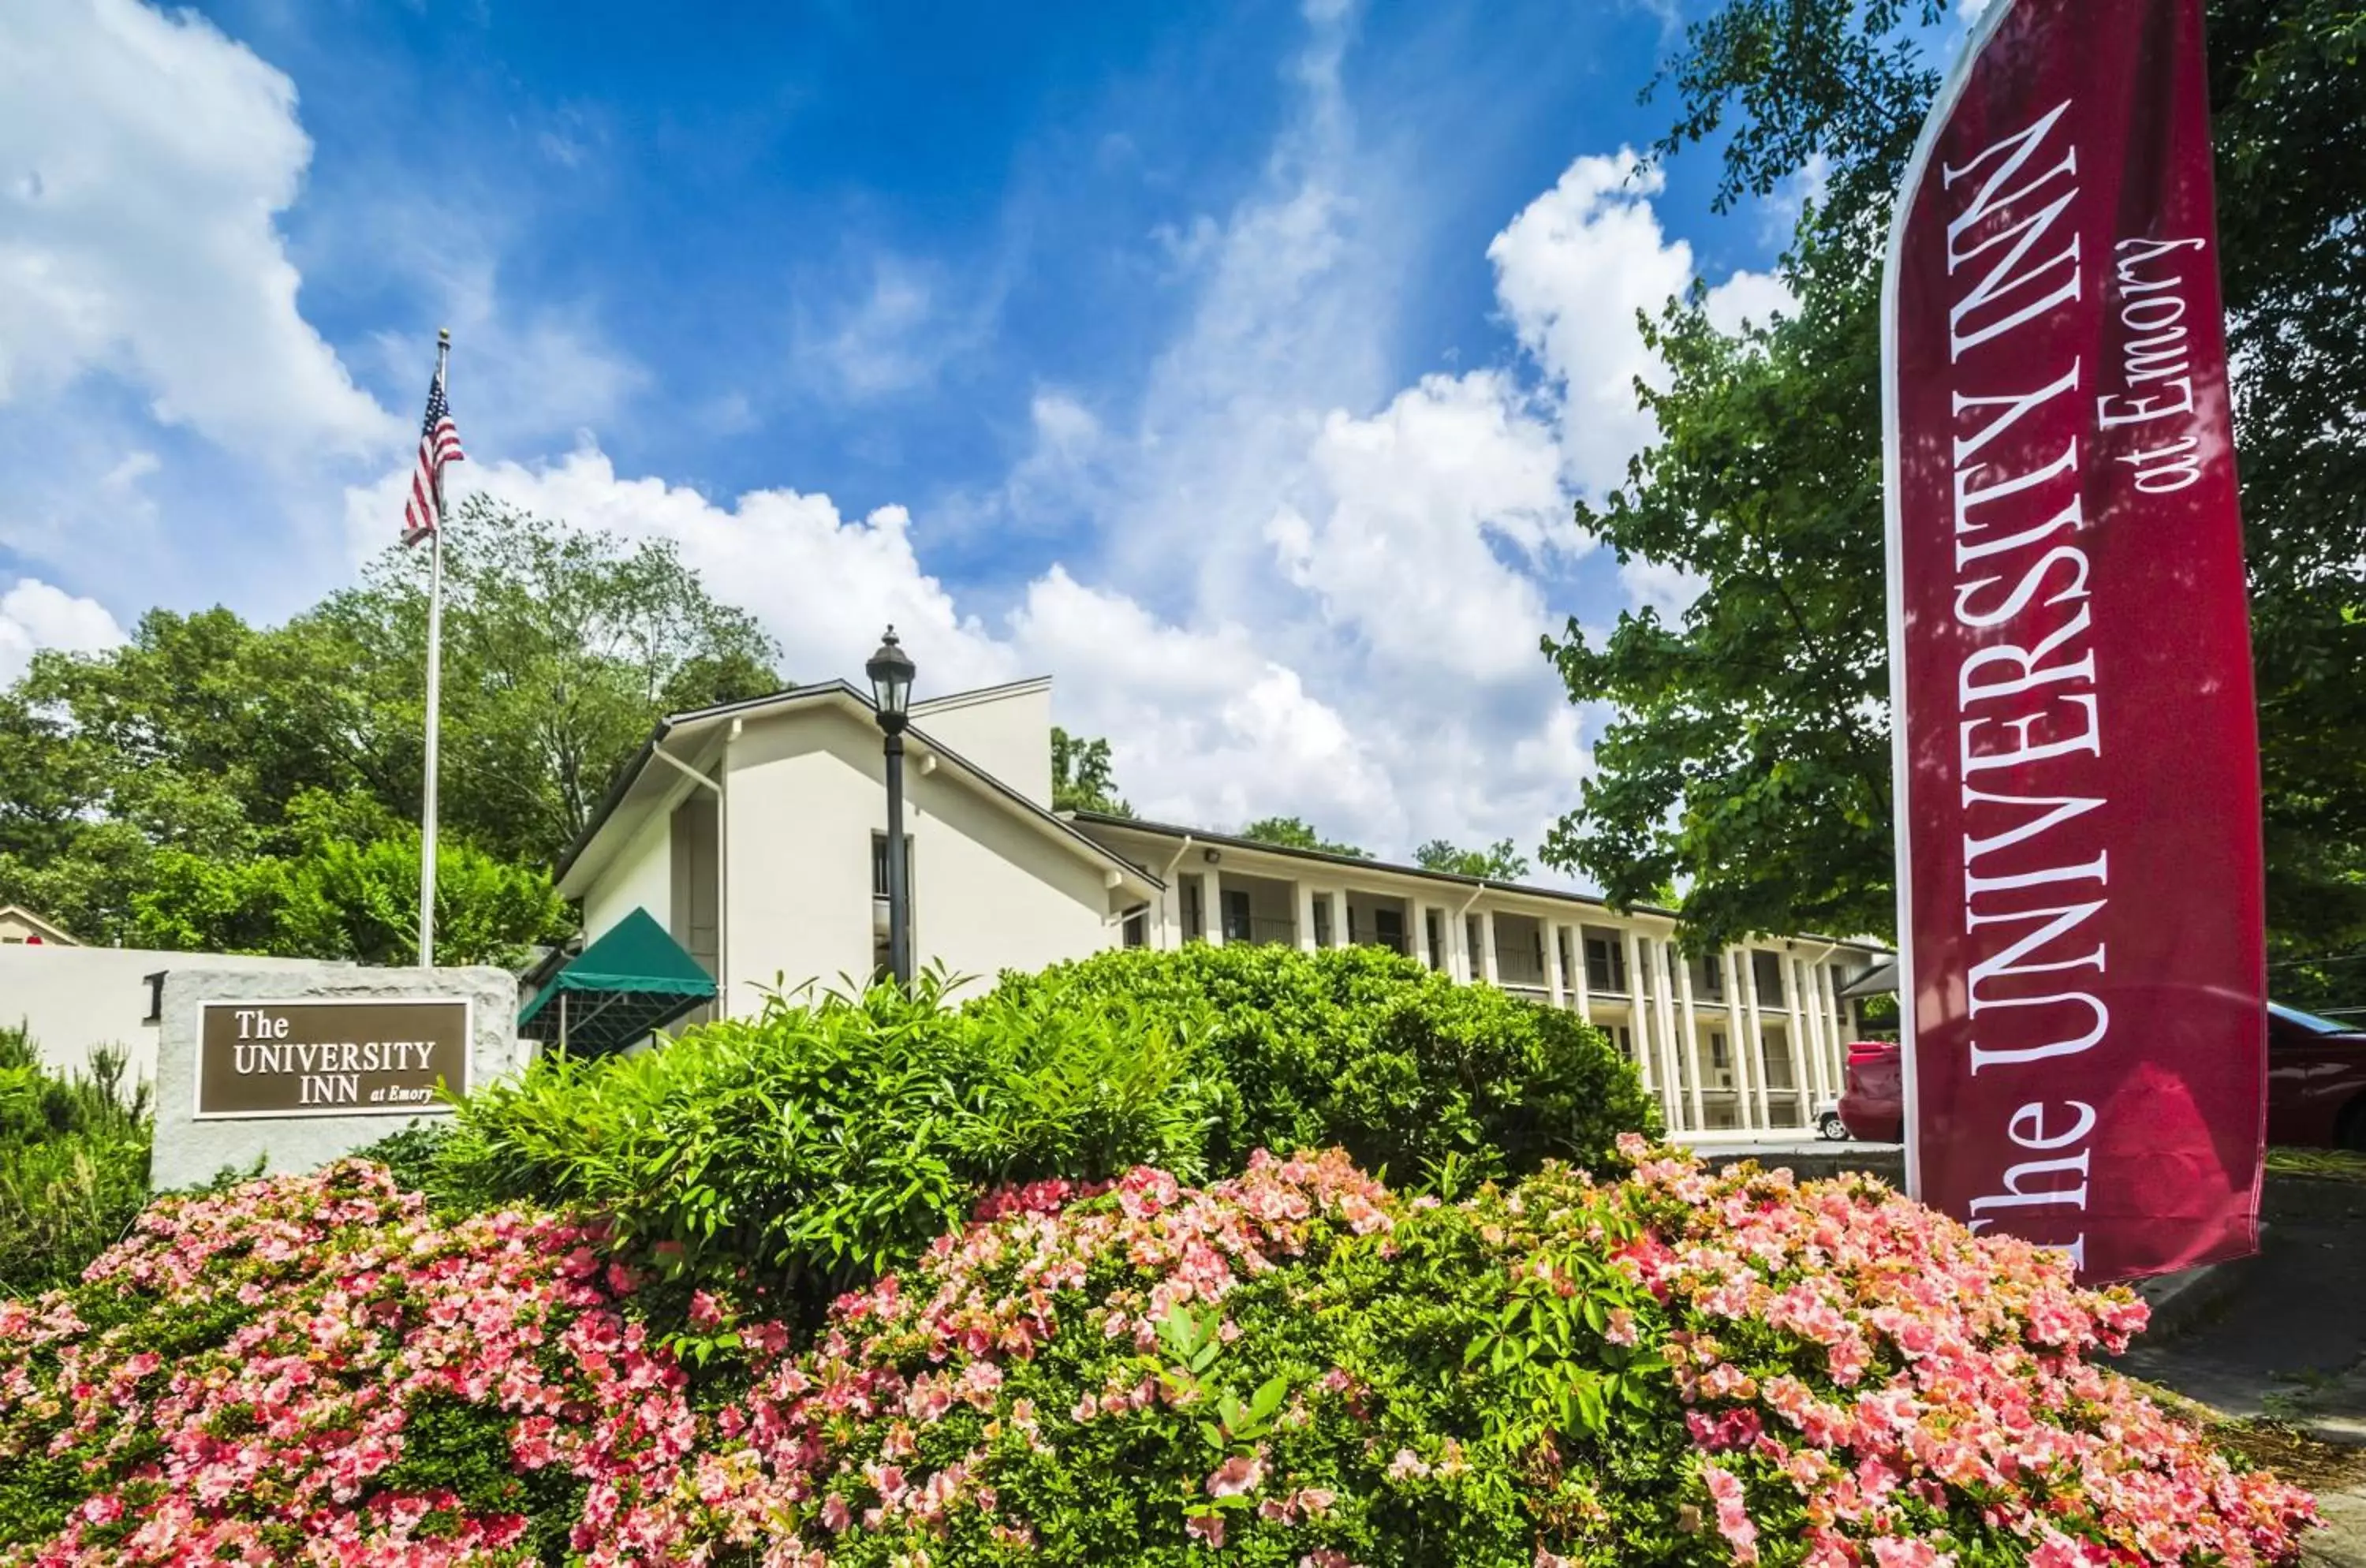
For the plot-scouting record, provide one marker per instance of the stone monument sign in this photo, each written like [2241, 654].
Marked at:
[295, 1068]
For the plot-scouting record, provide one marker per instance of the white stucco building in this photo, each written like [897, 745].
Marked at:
[754, 834]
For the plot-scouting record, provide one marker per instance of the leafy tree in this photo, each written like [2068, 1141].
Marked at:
[348, 894]
[213, 784]
[1081, 777]
[1499, 862]
[1749, 761]
[1294, 833]
[561, 648]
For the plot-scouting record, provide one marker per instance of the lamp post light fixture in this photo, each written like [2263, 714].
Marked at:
[890, 669]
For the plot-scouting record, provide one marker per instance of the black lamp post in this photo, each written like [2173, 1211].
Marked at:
[891, 690]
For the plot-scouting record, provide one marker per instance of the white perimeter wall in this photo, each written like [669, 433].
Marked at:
[808, 790]
[74, 999]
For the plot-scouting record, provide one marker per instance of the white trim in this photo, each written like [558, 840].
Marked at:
[467, 1005]
[1942, 108]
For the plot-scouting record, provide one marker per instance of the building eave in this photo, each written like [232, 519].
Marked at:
[1396, 868]
[843, 695]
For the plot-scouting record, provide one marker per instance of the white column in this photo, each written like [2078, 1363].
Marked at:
[1584, 981]
[1631, 946]
[1690, 1031]
[1305, 916]
[1338, 901]
[1663, 1022]
[1554, 989]
[1487, 946]
[1422, 915]
[1803, 1005]
[1846, 1012]
[1749, 1107]
[1835, 1048]
[1457, 946]
[1211, 907]
[1748, 1054]
[1802, 1068]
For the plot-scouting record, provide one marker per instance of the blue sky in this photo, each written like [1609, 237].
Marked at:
[1233, 364]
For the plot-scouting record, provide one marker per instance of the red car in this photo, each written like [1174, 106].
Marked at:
[2316, 1084]
[1873, 1107]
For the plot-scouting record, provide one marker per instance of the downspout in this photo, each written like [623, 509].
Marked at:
[1461, 933]
[721, 861]
[1168, 876]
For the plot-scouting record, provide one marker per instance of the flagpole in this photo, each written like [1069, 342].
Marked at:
[434, 696]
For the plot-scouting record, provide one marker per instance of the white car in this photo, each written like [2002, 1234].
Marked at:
[1829, 1124]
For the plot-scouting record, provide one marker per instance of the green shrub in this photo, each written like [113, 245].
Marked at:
[1359, 1048]
[821, 1143]
[73, 1163]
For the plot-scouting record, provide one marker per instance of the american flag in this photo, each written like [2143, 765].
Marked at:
[439, 443]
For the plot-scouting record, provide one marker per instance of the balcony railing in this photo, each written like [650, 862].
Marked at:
[1263, 931]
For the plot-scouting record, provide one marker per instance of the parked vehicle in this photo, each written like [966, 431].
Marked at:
[1829, 1125]
[1873, 1107]
[2316, 1084]
[2316, 1080]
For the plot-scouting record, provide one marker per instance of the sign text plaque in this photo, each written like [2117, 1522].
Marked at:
[359, 1057]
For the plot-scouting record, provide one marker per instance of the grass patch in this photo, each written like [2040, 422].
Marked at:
[2332, 1165]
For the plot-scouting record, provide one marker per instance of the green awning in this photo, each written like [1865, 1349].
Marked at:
[635, 979]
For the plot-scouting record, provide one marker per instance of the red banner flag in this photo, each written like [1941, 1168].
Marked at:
[2082, 973]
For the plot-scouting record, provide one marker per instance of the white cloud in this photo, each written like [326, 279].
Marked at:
[35, 614]
[904, 324]
[1572, 272]
[142, 156]
[821, 582]
[1405, 554]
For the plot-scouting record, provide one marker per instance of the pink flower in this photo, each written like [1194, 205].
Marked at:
[1732, 1513]
[1208, 1528]
[1407, 1466]
[1237, 1475]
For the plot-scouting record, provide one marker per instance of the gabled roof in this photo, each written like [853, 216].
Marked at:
[696, 726]
[50, 931]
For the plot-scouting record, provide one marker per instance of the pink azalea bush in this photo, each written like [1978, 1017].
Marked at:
[1294, 1368]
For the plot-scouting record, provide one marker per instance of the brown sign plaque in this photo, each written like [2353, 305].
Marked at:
[377, 1056]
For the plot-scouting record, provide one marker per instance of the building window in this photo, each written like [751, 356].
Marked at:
[1388, 928]
[1321, 920]
[1605, 966]
[1717, 1051]
[1474, 944]
[1235, 905]
[1137, 928]
[1435, 933]
[1768, 969]
[1195, 918]
[879, 902]
[1712, 976]
[1626, 1038]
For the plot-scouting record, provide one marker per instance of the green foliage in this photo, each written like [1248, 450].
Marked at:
[1364, 1050]
[73, 1164]
[1294, 833]
[354, 897]
[215, 784]
[1748, 763]
[822, 1143]
[1499, 862]
[828, 1138]
[1081, 777]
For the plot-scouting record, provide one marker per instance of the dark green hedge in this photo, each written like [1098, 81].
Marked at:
[1363, 1049]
